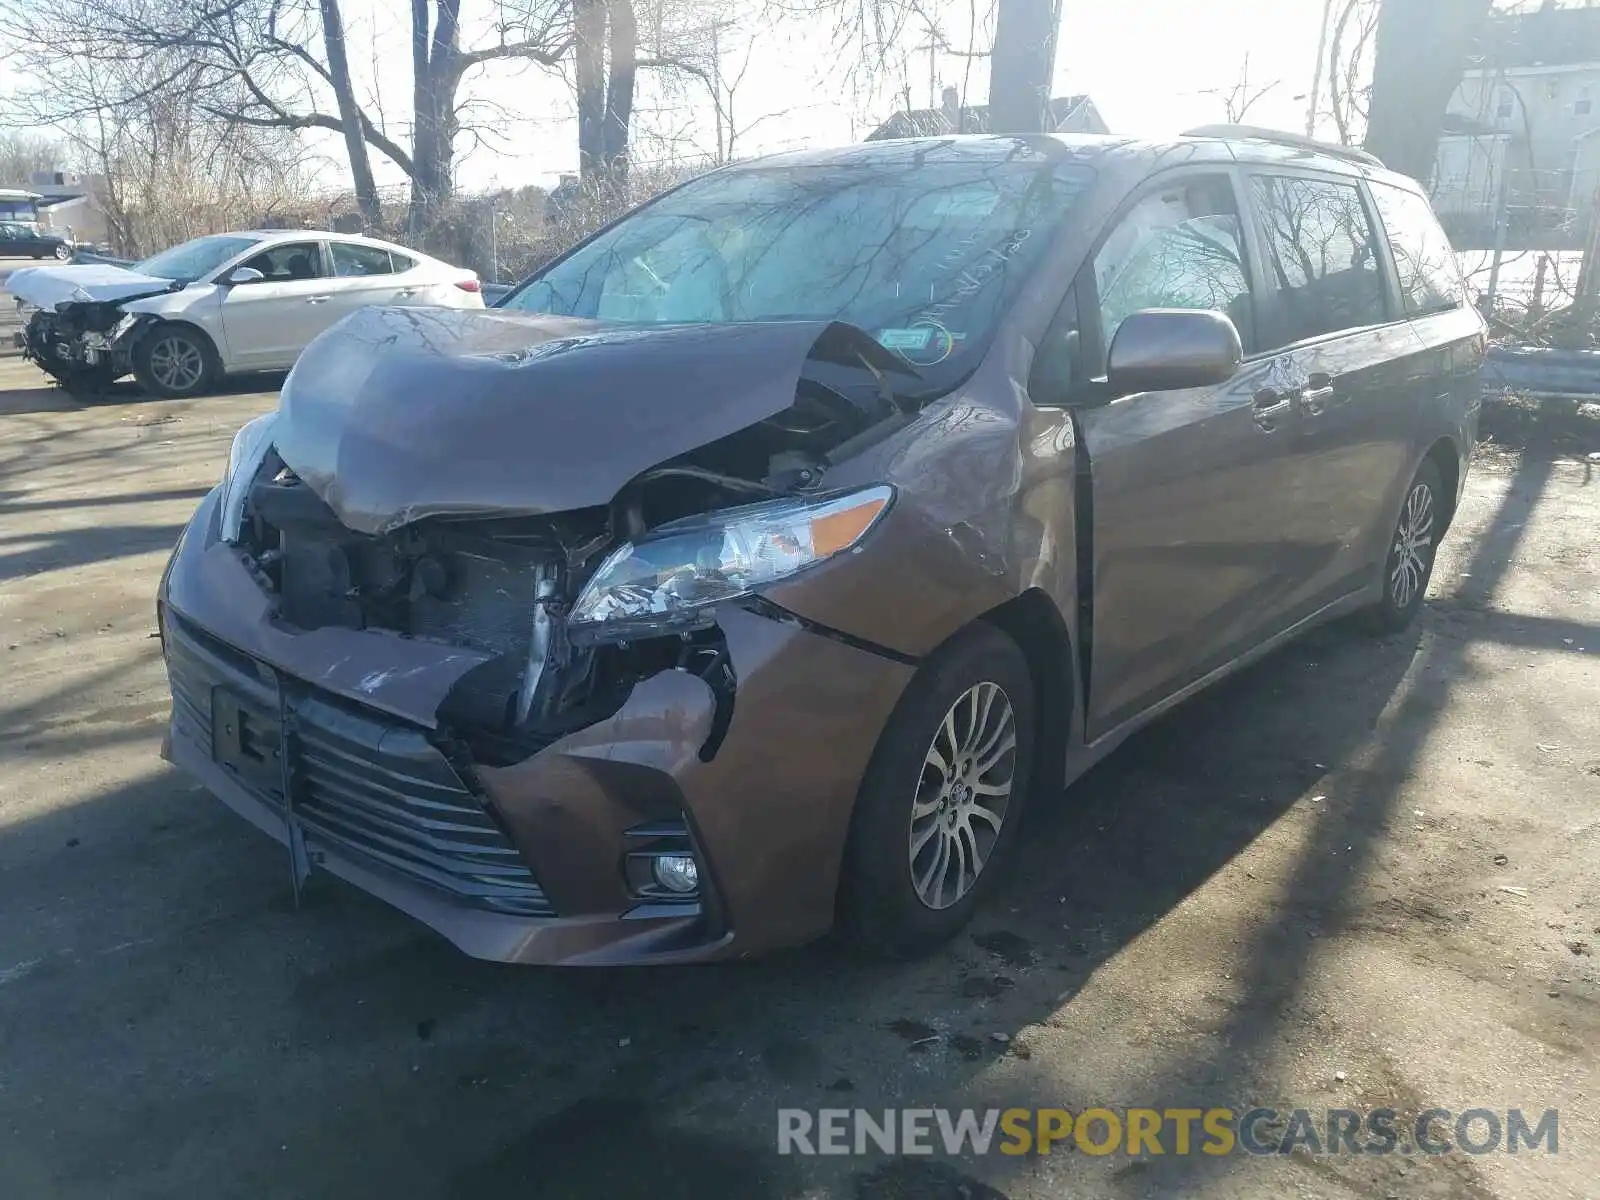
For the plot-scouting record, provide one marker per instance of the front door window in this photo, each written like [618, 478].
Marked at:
[1180, 247]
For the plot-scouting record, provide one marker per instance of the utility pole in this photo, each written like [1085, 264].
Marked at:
[1023, 65]
[1502, 230]
[1322, 61]
[494, 240]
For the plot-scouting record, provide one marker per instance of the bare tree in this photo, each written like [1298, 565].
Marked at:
[1242, 96]
[284, 64]
[22, 153]
[162, 168]
[1022, 64]
[1420, 49]
[1349, 64]
[1021, 49]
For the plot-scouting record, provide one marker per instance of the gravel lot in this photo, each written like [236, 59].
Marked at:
[1361, 874]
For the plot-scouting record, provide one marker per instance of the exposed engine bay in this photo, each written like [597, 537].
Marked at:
[504, 585]
[83, 343]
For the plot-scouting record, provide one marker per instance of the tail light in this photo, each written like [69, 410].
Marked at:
[469, 285]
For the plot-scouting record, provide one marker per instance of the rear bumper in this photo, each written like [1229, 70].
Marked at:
[526, 863]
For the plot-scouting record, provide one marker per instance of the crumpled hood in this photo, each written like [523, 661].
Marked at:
[396, 414]
[84, 283]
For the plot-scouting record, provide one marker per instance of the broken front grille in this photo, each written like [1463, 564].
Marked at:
[470, 582]
[366, 787]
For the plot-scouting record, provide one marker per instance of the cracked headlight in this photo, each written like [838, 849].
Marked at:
[250, 446]
[667, 580]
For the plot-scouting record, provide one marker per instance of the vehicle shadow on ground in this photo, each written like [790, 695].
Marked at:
[666, 1083]
[546, 1070]
[50, 397]
[59, 550]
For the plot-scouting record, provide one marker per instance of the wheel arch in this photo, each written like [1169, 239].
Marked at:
[1445, 455]
[157, 323]
[1035, 623]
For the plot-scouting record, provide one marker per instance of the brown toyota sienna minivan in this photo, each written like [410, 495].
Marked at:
[756, 564]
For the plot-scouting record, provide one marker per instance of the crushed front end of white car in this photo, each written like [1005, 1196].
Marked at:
[73, 322]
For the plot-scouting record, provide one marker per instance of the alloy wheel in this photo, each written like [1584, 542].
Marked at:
[963, 794]
[177, 363]
[1413, 547]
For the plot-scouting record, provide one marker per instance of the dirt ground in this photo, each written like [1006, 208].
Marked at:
[1362, 874]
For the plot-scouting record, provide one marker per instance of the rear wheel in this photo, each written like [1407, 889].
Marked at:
[937, 815]
[175, 361]
[1412, 546]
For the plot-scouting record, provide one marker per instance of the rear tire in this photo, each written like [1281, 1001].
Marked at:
[937, 814]
[176, 361]
[1413, 546]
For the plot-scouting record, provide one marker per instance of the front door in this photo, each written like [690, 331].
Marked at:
[1190, 489]
[268, 322]
[17, 240]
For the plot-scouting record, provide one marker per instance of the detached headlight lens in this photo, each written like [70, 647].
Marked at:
[663, 581]
[250, 446]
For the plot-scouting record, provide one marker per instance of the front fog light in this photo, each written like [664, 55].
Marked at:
[677, 873]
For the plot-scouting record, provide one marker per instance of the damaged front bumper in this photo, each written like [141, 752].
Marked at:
[332, 740]
[78, 339]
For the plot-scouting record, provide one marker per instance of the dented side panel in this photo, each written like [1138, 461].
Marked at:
[986, 511]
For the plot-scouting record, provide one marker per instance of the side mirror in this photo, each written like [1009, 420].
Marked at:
[246, 275]
[1166, 350]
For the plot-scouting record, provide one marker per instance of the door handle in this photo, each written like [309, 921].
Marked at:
[318, 299]
[1270, 407]
[406, 293]
[1315, 400]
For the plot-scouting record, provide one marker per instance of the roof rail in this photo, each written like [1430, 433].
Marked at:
[1279, 137]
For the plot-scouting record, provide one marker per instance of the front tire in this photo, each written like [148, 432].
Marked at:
[175, 361]
[936, 818]
[63, 253]
[1408, 567]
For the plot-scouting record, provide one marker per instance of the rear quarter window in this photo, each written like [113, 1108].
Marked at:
[1430, 274]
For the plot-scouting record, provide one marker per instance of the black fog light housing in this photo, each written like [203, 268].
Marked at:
[665, 866]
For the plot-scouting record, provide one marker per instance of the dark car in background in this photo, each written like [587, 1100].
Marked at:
[754, 566]
[21, 241]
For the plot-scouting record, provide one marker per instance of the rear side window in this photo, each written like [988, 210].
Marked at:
[1321, 259]
[401, 262]
[351, 259]
[1430, 275]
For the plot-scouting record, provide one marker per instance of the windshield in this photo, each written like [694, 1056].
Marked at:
[921, 248]
[191, 260]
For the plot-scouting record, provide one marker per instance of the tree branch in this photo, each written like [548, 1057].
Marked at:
[533, 49]
[277, 118]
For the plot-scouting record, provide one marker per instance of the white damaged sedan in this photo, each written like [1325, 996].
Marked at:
[219, 305]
